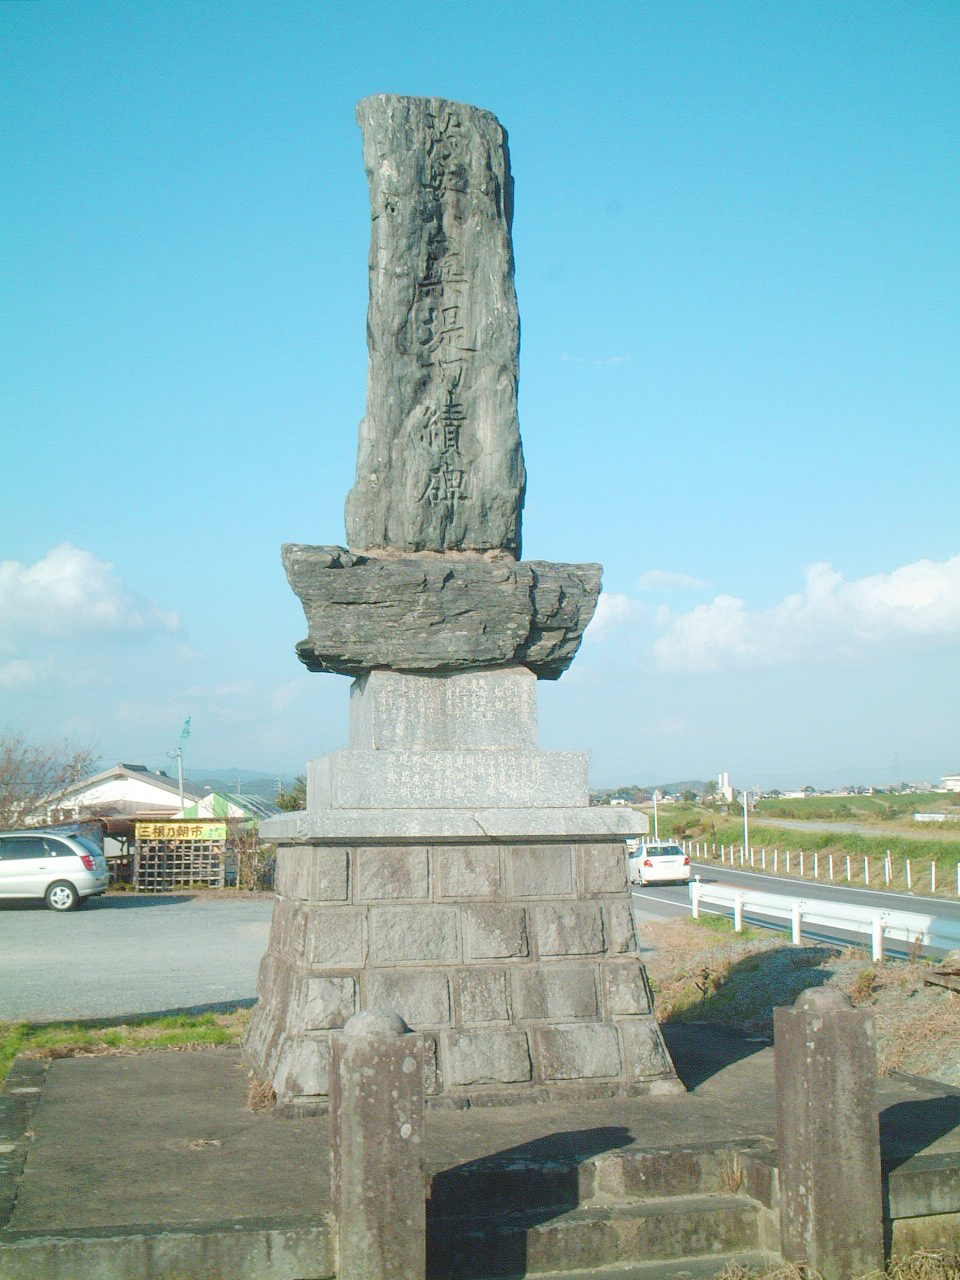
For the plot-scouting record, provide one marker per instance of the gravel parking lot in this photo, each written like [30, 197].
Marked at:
[131, 953]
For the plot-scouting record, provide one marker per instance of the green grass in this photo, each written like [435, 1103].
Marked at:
[939, 845]
[68, 1039]
[875, 808]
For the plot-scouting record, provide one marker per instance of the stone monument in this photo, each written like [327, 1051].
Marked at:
[445, 868]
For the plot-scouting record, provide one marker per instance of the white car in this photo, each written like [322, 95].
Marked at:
[60, 869]
[659, 862]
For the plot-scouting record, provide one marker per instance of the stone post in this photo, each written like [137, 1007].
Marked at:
[828, 1135]
[376, 1148]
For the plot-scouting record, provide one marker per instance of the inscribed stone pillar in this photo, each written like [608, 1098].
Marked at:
[439, 464]
[828, 1135]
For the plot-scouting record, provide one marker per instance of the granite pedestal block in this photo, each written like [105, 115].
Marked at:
[516, 960]
[448, 871]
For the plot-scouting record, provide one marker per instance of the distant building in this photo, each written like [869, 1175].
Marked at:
[122, 791]
[951, 782]
[724, 789]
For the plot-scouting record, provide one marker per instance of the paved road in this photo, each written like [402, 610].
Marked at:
[666, 901]
[130, 953]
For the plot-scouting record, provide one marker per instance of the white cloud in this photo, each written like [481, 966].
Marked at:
[613, 610]
[667, 580]
[829, 616]
[16, 674]
[70, 591]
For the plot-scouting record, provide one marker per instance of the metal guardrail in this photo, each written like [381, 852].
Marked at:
[910, 927]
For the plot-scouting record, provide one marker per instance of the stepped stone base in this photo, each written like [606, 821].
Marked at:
[447, 870]
[517, 961]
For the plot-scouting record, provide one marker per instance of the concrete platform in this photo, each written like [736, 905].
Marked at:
[125, 1164]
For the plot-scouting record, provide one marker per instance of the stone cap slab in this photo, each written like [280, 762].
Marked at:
[438, 613]
[372, 826]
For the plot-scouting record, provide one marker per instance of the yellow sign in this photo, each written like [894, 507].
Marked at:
[181, 831]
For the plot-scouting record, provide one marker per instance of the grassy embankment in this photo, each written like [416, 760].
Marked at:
[105, 1035]
[886, 823]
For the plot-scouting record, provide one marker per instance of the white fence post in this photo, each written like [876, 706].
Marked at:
[801, 864]
[831, 865]
[866, 871]
[776, 855]
[933, 877]
[738, 913]
[848, 868]
[877, 939]
[763, 858]
[795, 924]
[695, 899]
[816, 865]
[887, 870]
[909, 876]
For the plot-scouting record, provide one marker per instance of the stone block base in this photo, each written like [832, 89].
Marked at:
[516, 961]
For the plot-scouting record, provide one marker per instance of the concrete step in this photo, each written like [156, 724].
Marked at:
[701, 1268]
[670, 1171]
[590, 1236]
[513, 1183]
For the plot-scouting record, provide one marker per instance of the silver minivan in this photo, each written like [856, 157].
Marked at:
[60, 869]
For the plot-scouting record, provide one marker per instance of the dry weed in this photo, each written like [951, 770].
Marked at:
[925, 1265]
[730, 1178]
[261, 1095]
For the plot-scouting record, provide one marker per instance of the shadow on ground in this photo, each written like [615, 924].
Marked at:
[113, 902]
[743, 996]
[540, 1179]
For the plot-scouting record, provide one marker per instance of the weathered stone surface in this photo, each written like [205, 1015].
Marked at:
[482, 1057]
[464, 871]
[465, 710]
[556, 991]
[421, 997]
[423, 934]
[439, 463]
[381, 874]
[602, 869]
[376, 1148]
[646, 1054]
[540, 870]
[360, 826]
[626, 988]
[335, 938]
[483, 995]
[439, 614]
[496, 932]
[325, 1002]
[312, 874]
[478, 779]
[577, 1052]
[828, 1135]
[620, 933]
[568, 928]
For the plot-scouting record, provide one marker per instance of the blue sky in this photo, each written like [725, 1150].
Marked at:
[736, 235]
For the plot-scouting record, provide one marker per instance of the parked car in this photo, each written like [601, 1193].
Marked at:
[62, 870]
[659, 862]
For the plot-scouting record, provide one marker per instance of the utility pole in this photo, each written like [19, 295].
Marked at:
[184, 735]
[746, 825]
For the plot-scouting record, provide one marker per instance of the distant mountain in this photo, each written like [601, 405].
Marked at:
[246, 781]
[635, 794]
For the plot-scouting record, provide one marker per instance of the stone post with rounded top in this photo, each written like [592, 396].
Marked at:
[828, 1135]
[376, 1148]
